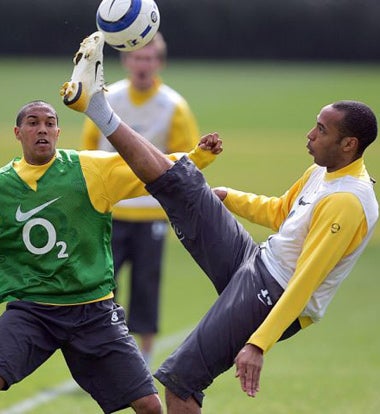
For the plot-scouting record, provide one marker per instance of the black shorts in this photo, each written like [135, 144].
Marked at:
[141, 244]
[102, 357]
[231, 260]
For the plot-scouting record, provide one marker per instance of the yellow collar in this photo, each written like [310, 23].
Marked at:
[139, 97]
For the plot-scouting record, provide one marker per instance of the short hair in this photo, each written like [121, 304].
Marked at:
[22, 112]
[160, 44]
[359, 121]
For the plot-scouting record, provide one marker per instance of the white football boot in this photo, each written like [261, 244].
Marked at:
[87, 77]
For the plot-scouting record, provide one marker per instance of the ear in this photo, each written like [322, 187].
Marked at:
[57, 134]
[16, 131]
[349, 144]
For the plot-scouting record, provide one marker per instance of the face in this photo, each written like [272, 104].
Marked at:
[38, 134]
[325, 142]
[143, 65]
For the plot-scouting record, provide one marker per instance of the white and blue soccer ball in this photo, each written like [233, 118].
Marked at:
[128, 25]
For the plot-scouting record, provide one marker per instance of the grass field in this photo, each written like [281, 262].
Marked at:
[263, 112]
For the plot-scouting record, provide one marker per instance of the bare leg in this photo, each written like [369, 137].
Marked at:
[2, 383]
[175, 405]
[146, 161]
[150, 404]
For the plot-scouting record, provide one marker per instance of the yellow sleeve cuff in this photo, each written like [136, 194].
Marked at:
[201, 158]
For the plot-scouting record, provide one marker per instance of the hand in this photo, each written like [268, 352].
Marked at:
[249, 362]
[221, 192]
[211, 142]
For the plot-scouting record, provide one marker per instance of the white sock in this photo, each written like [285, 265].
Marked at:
[100, 111]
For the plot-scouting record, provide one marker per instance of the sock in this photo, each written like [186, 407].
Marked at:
[100, 111]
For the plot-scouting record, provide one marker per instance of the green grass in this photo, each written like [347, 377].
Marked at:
[263, 111]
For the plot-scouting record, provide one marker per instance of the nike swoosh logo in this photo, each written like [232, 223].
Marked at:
[97, 64]
[23, 216]
[111, 118]
[303, 203]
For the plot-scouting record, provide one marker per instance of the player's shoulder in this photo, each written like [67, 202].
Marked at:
[170, 93]
[311, 170]
[116, 87]
[97, 159]
[5, 168]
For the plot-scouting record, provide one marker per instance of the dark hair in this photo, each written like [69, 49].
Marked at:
[22, 112]
[359, 121]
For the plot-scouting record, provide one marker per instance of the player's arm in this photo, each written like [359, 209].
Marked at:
[109, 179]
[265, 211]
[205, 151]
[337, 228]
[318, 258]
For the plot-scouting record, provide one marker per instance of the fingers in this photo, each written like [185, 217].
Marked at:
[249, 380]
[249, 362]
[252, 383]
[211, 142]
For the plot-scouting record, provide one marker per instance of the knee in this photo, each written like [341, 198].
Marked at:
[150, 404]
[155, 406]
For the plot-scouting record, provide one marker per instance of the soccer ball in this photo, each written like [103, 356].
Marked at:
[128, 24]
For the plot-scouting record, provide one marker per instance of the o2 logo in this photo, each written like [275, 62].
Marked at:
[50, 230]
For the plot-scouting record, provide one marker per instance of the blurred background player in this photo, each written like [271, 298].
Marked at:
[162, 116]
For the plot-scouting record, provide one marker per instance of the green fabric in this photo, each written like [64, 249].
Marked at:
[54, 246]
